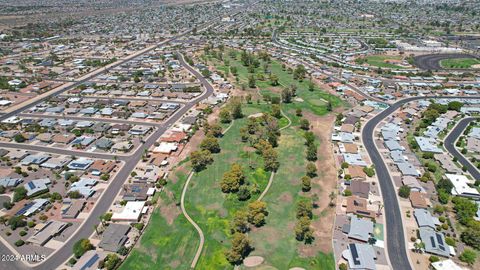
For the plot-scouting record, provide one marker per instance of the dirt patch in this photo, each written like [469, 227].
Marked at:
[323, 185]
[270, 234]
[175, 264]
[249, 149]
[170, 212]
[286, 197]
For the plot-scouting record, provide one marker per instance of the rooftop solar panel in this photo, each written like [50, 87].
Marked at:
[439, 239]
[432, 240]
[90, 262]
[353, 250]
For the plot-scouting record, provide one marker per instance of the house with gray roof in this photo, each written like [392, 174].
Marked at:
[354, 159]
[360, 256]
[114, 237]
[84, 187]
[88, 110]
[413, 183]
[434, 242]
[47, 122]
[34, 159]
[475, 133]
[397, 156]
[37, 186]
[393, 146]
[428, 145]
[104, 143]
[407, 169]
[425, 219]
[9, 182]
[51, 229]
[359, 229]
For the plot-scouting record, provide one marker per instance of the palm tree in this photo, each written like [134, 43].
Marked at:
[95, 227]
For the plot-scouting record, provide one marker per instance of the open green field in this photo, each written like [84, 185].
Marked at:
[170, 241]
[459, 63]
[380, 61]
[313, 101]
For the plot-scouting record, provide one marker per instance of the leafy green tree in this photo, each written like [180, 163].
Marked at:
[274, 79]
[468, 256]
[306, 183]
[286, 95]
[471, 237]
[232, 179]
[311, 152]
[241, 247]
[304, 209]
[211, 144]
[303, 231]
[252, 82]
[257, 211]
[16, 222]
[239, 222]
[111, 262]
[243, 193]
[465, 209]
[200, 159]
[311, 169]
[82, 246]
[299, 72]
[225, 116]
[270, 158]
[236, 110]
[19, 193]
[304, 124]
[276, 111]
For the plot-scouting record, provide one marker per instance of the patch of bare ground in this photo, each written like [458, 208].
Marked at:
[323, 185]
[286, 197]
[174, 264]
[269, 233]
[169, 211]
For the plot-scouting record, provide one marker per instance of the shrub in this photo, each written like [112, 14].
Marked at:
[404, 191]
[19, 243]
[468, 256]
[82, 246]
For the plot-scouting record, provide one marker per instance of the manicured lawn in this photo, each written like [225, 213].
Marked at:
[380, 61]
[170, 245]
[173, 245]
[459, 63]
[276, 241]
[315, 100]
[212, 209]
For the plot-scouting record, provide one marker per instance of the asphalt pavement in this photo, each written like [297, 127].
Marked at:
[450, 141]
[109, 194]
[396, 248]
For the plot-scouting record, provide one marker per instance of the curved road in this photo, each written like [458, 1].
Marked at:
[61, 255]
[396, 239]
[452, 138]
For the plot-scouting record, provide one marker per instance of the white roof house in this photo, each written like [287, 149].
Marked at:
[131, 212]
[446, 265]
[166, 147]
[461, 187]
